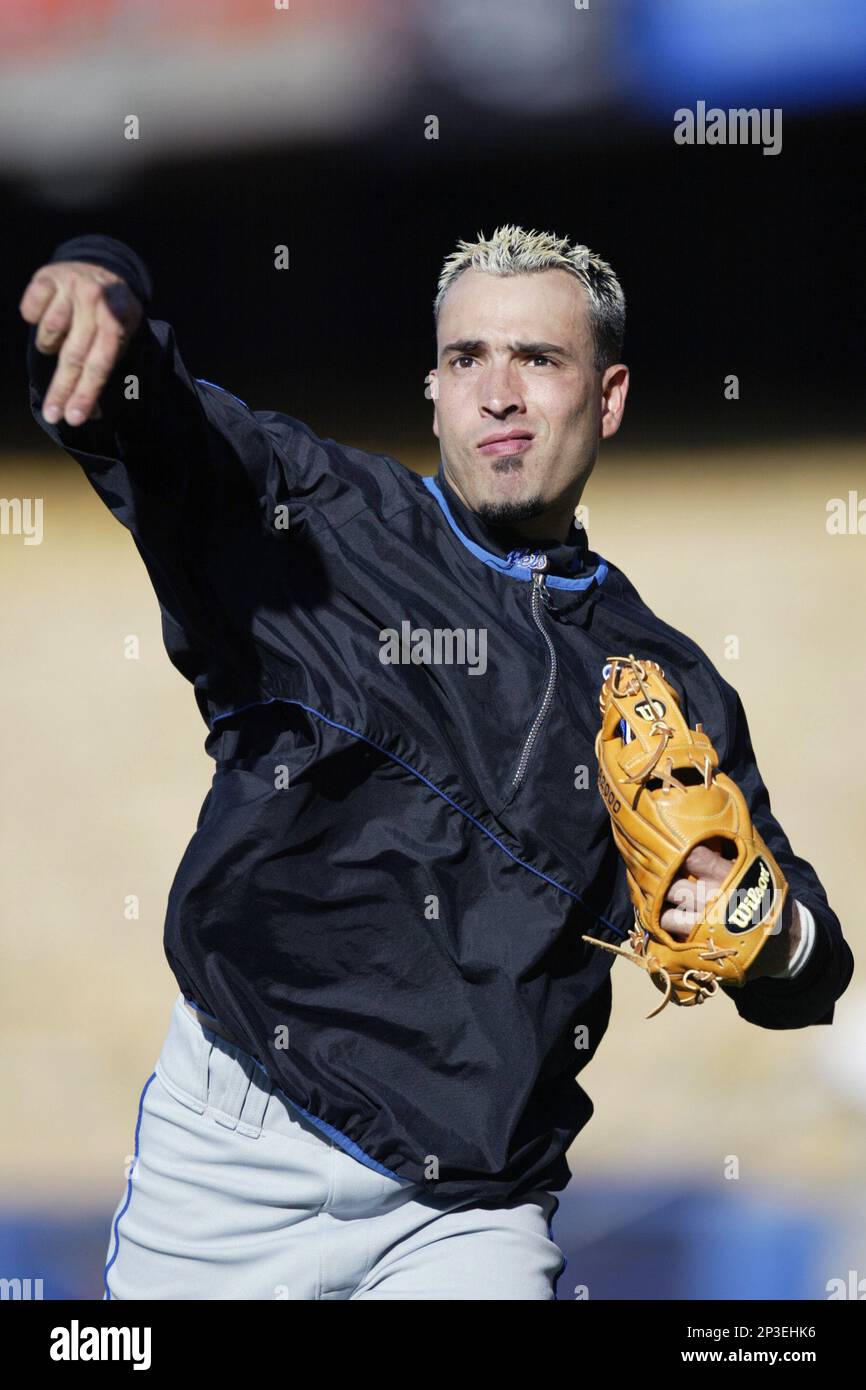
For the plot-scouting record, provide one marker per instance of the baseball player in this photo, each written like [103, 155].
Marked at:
[386, 927]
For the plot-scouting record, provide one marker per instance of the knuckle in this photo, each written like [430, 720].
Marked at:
[41, 282]
[96, 372]
[31, 296]
[60, 388]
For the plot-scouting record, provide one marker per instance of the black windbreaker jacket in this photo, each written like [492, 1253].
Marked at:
[396, 859]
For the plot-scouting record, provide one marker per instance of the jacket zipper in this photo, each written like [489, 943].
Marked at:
[539, 594]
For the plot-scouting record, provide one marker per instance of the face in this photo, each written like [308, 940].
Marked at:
[519, 407]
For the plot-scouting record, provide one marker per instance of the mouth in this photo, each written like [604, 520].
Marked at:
[511, 442]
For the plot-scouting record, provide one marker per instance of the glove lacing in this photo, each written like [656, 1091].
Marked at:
[636, 673]
[702, 983]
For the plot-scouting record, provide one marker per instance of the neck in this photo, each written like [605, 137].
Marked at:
[564, 545]
[554, 523]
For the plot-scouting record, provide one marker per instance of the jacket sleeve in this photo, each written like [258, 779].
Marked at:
[193, 473]
[811, 995]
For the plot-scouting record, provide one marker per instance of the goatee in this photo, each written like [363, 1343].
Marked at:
[511, 513]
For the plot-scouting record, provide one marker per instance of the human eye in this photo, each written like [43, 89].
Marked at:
[464, 357]
[542, 357]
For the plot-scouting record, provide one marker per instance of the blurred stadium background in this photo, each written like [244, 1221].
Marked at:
[308, 126]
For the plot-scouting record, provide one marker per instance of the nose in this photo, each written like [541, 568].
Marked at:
[500, 394]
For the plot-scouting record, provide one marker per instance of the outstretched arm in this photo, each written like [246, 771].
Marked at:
[189, 469]
[109, 384]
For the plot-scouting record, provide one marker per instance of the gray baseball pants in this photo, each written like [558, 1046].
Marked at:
[234, 1194]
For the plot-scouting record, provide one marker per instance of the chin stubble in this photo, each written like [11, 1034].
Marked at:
[509, 513]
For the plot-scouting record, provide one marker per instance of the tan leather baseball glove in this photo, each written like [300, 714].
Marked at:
[660, 782]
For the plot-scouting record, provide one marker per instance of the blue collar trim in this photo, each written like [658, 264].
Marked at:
[509, 567]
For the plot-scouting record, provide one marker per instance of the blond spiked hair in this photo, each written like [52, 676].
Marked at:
[513, 251]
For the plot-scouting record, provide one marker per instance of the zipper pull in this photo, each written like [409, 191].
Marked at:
[539, 564]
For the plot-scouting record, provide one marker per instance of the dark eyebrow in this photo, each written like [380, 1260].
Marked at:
[474, 345]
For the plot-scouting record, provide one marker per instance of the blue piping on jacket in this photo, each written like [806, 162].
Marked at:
[509, 567]
[335, 724]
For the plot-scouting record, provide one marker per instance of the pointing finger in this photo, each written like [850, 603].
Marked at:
[37, 297]
[54, 323]
[73, 355]
[103, 351]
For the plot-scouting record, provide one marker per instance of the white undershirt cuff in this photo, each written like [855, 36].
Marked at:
[804, 947]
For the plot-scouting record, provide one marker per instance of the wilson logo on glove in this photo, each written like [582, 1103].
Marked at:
[751, 900]
[650, 710]
[661, 785]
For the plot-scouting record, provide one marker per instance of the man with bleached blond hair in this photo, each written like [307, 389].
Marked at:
[369, 1082]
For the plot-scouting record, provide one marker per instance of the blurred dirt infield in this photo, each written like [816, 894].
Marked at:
[104, 773]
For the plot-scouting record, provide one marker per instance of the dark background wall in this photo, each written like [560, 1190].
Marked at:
[732, 261]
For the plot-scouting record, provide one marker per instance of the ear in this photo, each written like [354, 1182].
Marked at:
[431, 391]
[614, 389]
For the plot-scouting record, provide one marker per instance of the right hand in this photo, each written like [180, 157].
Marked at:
[88, 315]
